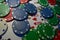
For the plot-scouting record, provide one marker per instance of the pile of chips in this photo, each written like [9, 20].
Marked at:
[18, 12]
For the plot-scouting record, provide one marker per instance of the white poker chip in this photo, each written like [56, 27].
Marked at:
[3, 27]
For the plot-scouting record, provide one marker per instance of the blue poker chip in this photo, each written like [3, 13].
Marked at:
[30, 8]
[13, 3]
[20, 27]
[46, 12]
[19, 14]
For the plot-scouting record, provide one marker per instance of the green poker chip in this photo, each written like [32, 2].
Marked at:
[40, 29]
[53, 21]
[45, 30]
[1, 1]
[31, 35]
[43, 2]
[57, 9]
[49, 31]
[4, 9]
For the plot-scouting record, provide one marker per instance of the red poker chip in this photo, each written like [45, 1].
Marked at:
[9, 17]
[58, 32]
[52, 2]
[23, 1]
[57, 37]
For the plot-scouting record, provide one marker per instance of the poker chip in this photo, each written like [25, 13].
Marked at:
[20, 27]
[56, 38]
[40, 29]
[1, 1]
[53, 21]
[46, 12]
[4, 9]
[23, 1]
[30, 8]
[9, 17]
[13, 3]
[31, 35]
[46, 30]
[57, 9]
[52, 2]
[20, 14]
[49, 31]
[58, 32]
[3, 27]
[43, 2]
